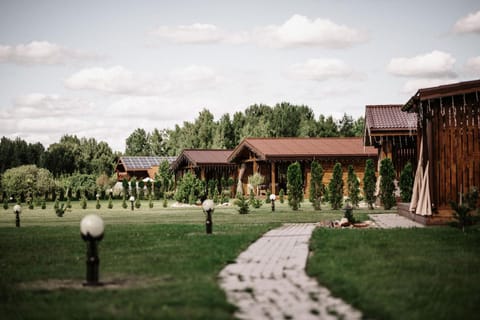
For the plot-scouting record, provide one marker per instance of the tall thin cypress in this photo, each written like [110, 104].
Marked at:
[369, 183]
[316, 185]
[336, 187]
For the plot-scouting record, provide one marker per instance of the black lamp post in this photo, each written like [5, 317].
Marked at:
[208, 207]
[132, 200]
[272, 200]
[17, 210]
[91, 229]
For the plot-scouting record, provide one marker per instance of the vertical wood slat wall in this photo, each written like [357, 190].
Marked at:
[455, 150]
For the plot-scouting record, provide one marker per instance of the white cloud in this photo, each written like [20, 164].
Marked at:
[414, 85]
[117, 80]
[473, 66]
[320, 69]
[301, 31]
[42, 52]
[196, 33]
[436, 64]
[469, 23]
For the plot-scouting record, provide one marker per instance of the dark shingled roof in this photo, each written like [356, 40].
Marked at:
[203, 157]
[303, 148]
[389, 117]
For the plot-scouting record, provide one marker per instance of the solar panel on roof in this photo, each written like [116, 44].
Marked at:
[144, 162]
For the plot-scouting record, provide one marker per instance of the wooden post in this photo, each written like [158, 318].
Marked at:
[273, 182]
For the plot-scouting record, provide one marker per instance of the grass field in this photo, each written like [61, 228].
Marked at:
[430, 273]
[168, 265]
[169, 262]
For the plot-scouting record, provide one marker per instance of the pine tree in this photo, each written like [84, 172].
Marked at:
[294, 185]
[336, 187]
[353, 186]
[406, 182]
[316, 185]
[369, 183]
[281, 195]
[110, 202]
[387, 186]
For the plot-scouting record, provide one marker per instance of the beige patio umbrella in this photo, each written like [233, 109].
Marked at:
[417, 183]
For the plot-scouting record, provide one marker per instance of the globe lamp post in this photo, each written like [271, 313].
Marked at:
[17, 210]
[91, 229]
[208, 207]
[132, 200]
[272, 199]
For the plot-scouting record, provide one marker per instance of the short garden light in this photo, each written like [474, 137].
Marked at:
[208, 207]
[132, 200]
[17, 210]
[272, 199]
[91, 229]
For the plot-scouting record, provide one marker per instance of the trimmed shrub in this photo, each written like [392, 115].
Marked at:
[406, 183]
[242, 204]
[353, 186]
[387, 185]
[316, 185]
[294, 185]
[369, 183]
[281, 195]
[336, 187]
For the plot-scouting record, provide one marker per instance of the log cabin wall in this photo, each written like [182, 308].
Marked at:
[450, 129]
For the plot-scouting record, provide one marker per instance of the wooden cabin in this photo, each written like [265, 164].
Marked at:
[448, 136]
[271, 157]
[139, 167]
[205, 164]
[393, 133]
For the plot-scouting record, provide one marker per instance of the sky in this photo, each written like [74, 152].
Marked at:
[101, 69]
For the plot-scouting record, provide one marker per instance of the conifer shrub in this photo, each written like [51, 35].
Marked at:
[138, 204]
[43, 204]
[294, 185]
[242, 204]
[406, 183]
[336, 187]
[369, 183]
[83, 202]
[316, 185]
[124, 201]
[110, 202]
[267, 199]
[387, 185]
[353, 186]
[5, 203]
[281, 195]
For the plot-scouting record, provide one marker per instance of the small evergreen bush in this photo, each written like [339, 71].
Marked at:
[281, 195]
[336, 187]
[295, 185]
[138, 204]
[243, 204]
[83, 203]
[406, 183]
[316, 185]
[5, 203]
[110, 202]
[353, 186]
[369, 183]
[387, 185]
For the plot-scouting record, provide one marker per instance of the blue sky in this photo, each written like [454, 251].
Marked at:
[103, 68]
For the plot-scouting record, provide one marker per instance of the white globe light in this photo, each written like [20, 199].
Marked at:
[17, 208]
[92, 225]
[208, 205]
[272, 197]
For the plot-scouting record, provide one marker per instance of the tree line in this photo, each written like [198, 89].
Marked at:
[82, 157]
[282, 120]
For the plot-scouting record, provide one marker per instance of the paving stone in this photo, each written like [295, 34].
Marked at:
[393, 220]
[268, 280]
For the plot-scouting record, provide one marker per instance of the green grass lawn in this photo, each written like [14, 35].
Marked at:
[165, 253]
[171, 265]
[431, 273]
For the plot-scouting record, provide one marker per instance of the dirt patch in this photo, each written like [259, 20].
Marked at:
[109, 283]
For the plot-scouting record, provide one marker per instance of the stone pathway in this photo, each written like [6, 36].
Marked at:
[393, 220]
[268, 280]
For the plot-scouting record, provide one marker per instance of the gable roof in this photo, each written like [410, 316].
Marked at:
[131, 163]
[202, 157]
[459, 88]
[302, 148]
[389, 117]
